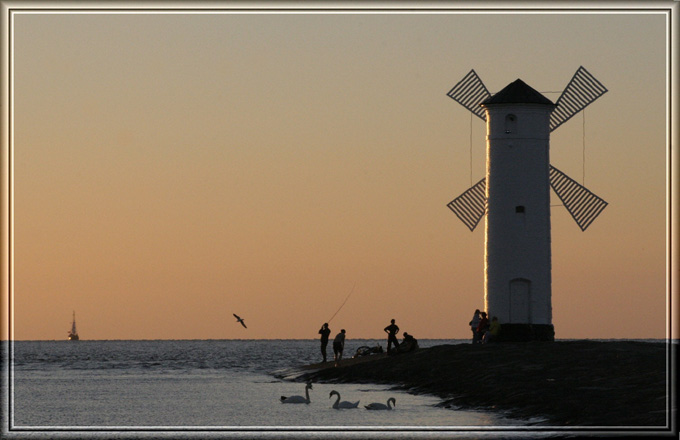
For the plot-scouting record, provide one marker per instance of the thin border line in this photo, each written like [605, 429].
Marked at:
[12, 11]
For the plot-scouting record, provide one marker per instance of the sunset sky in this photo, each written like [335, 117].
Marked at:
[171, 169]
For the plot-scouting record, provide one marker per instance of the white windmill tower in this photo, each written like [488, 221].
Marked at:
[515, 196]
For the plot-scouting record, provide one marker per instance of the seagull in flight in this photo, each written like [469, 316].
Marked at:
[239, 319]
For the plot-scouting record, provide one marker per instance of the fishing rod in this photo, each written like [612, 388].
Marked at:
[343, 303]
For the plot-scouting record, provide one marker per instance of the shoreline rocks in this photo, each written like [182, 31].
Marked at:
[563, 383]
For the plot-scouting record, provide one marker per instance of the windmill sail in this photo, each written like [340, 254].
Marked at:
[470, 92]
[470, 206]
[583, 205]
[582, 90]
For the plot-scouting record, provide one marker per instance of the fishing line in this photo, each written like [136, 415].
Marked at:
[471, 183]
[343, 303]
[583, 180]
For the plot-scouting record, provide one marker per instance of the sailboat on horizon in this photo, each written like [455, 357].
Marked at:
[73, 333]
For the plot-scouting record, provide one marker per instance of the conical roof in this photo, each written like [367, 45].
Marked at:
[517, 92]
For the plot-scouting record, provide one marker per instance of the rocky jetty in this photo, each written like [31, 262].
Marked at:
[562, 383]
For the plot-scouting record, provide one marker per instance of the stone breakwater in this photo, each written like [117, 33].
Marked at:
[563, 383]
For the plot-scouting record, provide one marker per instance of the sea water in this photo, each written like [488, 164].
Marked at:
[208, 383]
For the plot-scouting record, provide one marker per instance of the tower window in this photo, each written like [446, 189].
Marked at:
[519, 209]
[510, 124]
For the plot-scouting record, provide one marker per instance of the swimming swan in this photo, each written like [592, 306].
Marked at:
[298, 399]
[381, 406]
[344, 404]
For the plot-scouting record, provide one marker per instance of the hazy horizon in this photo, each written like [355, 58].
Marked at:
[675, 340]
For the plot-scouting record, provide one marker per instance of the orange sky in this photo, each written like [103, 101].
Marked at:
[172, 169]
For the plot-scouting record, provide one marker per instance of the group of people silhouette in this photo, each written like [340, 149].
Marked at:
[407, 344]
[484, 331]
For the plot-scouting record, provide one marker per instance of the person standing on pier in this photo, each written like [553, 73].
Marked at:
[324, 332]
[392, 331]
[482, 327]
[338, 346]
[473, 325]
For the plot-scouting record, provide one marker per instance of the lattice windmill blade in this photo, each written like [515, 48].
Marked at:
[470, 206]
[581, 91]
[583, 205]
[470, 92]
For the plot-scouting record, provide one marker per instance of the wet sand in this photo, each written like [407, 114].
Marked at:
[563, 383]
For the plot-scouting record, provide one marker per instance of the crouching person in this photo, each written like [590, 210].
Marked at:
[493, 331]
[409, 343]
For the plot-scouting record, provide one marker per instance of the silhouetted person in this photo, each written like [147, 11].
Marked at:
[483, 326]
[409, 343]
[473, 326]
[324, 332]
[494, 329]
[392, 331]
[339, 346]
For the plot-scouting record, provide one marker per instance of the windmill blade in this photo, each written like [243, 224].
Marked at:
[470, 92]
[470, 206]
[583, 205]
[582, 90]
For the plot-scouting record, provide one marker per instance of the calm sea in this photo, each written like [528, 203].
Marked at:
[209, 384]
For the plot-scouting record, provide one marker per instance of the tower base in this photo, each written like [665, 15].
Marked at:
[526, 332]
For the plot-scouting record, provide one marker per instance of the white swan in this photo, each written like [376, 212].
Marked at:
[391, 401]
[298, 399]
[344, 404]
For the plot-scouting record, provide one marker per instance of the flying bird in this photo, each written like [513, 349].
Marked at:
[239, 319]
